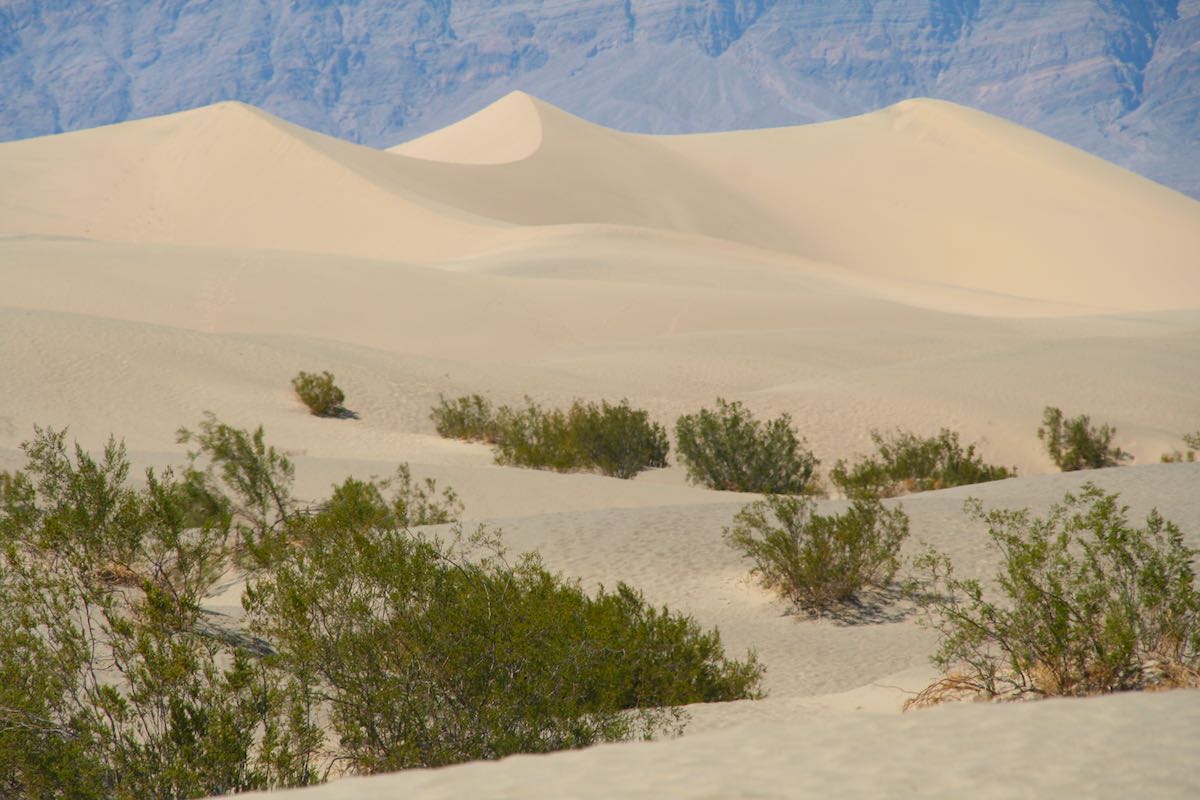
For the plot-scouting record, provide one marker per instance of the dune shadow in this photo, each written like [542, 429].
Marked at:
[872, 606]
[231, 634]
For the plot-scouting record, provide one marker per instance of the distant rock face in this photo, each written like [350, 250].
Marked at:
[1119, 78]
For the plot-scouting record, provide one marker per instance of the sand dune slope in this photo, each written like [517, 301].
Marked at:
[226, 175]
[1050, 749]
[935, 191]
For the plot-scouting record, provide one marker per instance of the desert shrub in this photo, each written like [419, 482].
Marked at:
[909, 463]
[424, 654]
[1084, 602]
[1074, 444]
[536, 437]
[1192, 442]
[729, 449]
[617, 440]
[111, 682]
[384, 647]
[319, 393]
[244, 476]
[251, 481]
[819, 561]
[470, 417]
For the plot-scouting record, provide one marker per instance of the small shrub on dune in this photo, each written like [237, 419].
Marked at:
[617, 440]
[1192, 442]
[1074, 444]
[319, 393]
[1084, 603]
[470, 417]
[909, 463]
[728, 449]
[818, 561]
[536, 437]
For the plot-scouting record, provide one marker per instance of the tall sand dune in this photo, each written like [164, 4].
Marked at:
[924, 191]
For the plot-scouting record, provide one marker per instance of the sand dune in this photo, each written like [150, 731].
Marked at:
[922, 266]
[1050, 749]
[923, 191]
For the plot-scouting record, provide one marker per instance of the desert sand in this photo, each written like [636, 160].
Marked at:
[923, 266]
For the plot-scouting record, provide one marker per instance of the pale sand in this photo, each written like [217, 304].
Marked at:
[922, 266]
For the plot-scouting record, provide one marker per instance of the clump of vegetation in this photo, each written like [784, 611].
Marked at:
[1074, 444]
[819, 561]
[1084, 603]
[1192, 442]
[423, 656]
[470, 417]
[319, 393]
[112, 683]
[909, 463]
[617, 440]
[410, 652]
[728, 449]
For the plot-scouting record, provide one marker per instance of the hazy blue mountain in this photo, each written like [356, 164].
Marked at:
[1119, 78]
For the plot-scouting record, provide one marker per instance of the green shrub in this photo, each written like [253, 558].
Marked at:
[423, 655]
[250, 480]
[1073, 444]
[112, 684]
[1192, 441]
[909, 463]
[244, 476]
[617, 440]
[385, 648]
[819, 561]
[1083, 603]
[470, 417]
[536, 437]
[729, 449]
[318, 392]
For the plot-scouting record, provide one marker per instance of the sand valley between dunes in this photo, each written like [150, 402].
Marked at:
[923, 266]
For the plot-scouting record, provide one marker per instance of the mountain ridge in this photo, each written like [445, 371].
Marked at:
[1118, 79]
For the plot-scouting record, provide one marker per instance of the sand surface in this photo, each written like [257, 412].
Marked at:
[922, 266]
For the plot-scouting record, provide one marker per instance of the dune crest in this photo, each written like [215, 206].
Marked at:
[508, 130]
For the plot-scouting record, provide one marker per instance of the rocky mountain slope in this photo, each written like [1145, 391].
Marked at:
[1119, 78]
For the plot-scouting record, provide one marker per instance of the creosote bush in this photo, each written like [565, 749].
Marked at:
[112, 681]
[470, 417]
[906, 462]
[371, 645]
[1074, 444]
[819, 561]
[1084, 603]
[1192, 442]
[424, 655]
[319, 393]
[728, 449]
[617, 440]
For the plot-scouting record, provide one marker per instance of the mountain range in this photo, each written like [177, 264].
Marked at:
[1118, 78]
